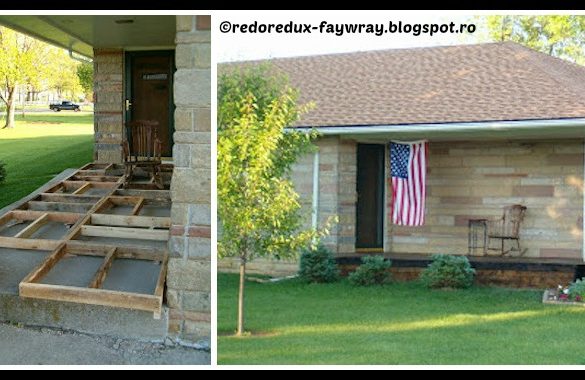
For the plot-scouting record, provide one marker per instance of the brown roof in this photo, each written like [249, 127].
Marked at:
[467, 83]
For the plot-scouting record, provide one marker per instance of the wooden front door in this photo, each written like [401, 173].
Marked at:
[370, 204]
[149, 92]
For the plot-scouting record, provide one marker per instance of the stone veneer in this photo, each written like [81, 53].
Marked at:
[109, 104]
[189, 275]
[465, 180]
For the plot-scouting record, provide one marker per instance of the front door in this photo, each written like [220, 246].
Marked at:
[149, 92]
[370, 204]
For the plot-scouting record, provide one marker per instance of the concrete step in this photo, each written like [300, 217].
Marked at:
[89, 319]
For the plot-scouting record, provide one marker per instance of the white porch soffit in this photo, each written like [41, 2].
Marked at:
[523, 129]
[81, 34]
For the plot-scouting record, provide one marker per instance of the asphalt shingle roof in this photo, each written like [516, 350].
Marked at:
[466, 83]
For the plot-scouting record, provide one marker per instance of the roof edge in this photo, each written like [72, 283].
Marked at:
[501, 126]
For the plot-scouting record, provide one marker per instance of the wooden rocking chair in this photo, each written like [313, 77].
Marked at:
[507, 228]
[142, 149]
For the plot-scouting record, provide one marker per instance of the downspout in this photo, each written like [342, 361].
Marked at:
[315, 210]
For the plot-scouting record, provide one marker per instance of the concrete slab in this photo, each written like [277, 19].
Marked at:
[11, 229]
[15, 265]
[135, 276]
[73, 271]
[149, 210]
[51, 231]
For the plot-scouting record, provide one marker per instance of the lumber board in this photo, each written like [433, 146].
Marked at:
[126, 252]
[62, 217]
[68, 198]
[126, 300]
[79, 208]
[96, 178]
[130, 221]
[30, 244]
[33, 227]
[102, 272]
[163, 195]
[125, 233]
[159, 290]
[47, 264]
[82, 189]
[138, 207]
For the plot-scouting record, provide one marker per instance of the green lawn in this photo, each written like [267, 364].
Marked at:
[402, 323]
[41, 146]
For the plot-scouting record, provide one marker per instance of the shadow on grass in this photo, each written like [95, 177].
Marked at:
[401, 323]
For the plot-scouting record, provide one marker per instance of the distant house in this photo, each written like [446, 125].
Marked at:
[505, 125]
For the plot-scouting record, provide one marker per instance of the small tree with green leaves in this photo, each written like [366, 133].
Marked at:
[258, 207]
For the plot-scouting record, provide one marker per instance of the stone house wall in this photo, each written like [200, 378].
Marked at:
[478, 179]
[109, 104]
[189, 275]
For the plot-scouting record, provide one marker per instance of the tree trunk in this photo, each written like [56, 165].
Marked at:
[241, 330]
[10, 110]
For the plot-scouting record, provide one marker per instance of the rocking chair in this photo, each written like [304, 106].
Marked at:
[142, 149]
[507, 228]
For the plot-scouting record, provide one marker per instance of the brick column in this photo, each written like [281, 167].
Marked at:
[109, 104]
[189, 275]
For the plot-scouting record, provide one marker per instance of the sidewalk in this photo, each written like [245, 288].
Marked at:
[20, 346]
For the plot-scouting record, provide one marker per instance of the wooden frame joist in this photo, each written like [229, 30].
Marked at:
[93, 294]
[68, 202]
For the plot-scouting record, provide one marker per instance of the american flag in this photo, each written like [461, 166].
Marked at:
[408, 167]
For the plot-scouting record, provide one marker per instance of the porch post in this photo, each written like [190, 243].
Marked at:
[315, 211]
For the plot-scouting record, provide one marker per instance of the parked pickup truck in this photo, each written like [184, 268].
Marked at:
[65, 105]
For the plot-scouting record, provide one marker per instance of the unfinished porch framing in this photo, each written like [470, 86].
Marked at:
[93, 214]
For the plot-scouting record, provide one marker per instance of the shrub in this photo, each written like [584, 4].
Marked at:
[318, 266]
[577, 290]
[373, 271]
[449, 272]
[2, 172]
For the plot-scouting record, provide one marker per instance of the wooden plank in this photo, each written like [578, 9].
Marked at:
[62, 217]
[146, 194]
[96, 178]
[125, 233]
[47, 264]
[69, 198]
[130, 221]
[89, 296]
[160, 285]
[85, 248]
[97, 185]
[138, 206]
[124, 201]
[85, 187]
[6, 217]
[31, 244]
[33, 227]
[79, 208]
[102, 272]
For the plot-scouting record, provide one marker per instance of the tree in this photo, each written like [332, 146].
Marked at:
[63, 76]
[562, 36]
[257, 204]
[22, 61]
[85, 75]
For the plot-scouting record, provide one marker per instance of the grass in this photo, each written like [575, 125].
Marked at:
[402, 323]
[41, 146]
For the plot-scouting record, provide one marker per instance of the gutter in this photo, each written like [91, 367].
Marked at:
[495, 126]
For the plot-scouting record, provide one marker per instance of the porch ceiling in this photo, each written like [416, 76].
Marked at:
[83, 33]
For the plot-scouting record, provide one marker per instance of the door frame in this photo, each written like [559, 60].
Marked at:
[381, 199]
[128, 59]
